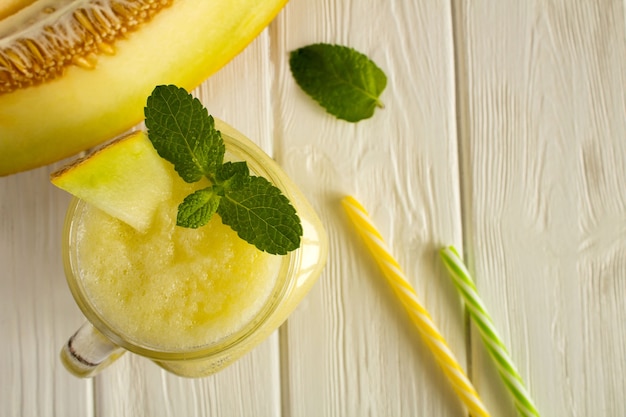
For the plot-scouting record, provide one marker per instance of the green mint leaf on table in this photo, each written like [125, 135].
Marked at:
[183, 133]
[342, 80]
[260, 214]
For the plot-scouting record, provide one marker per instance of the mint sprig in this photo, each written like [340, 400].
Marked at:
[342, 80]
[182, 132]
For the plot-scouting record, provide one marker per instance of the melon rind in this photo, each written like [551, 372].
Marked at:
[182, 45]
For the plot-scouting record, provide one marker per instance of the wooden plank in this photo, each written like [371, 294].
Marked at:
[240, 95]
[37, 313]
[544, 157]
[350, 349]
[248, 387]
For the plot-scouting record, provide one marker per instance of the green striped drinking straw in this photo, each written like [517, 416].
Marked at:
[496, 348]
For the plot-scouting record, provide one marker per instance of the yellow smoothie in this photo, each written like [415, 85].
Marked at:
[172, 288]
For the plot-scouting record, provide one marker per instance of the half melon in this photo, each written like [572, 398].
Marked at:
[95, 97]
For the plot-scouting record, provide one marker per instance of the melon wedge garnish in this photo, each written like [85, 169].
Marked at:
[126, 179]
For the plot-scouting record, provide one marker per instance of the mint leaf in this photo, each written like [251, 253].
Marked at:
[342, 80]
[197, 208]
[182, 132]
[262, 215]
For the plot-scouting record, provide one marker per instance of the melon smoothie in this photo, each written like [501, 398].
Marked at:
[191, 299]
[171, 288]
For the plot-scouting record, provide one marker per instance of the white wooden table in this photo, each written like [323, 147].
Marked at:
[503, 133]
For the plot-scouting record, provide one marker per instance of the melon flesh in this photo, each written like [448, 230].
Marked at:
[181, 45]
[9, 7]
[126, 179]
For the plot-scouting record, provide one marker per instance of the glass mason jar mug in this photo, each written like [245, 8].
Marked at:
[101, 340]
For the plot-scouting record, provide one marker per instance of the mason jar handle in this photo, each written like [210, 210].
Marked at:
[88, 352]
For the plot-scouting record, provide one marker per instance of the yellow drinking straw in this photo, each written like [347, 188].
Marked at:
[420, 317]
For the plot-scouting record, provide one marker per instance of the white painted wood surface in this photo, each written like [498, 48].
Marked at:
[504, 133]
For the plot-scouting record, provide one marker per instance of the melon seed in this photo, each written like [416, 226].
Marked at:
[40, 41]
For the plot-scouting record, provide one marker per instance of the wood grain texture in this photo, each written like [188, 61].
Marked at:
[37, 313]
[544, 156]
[502, 133]
[350, 348]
